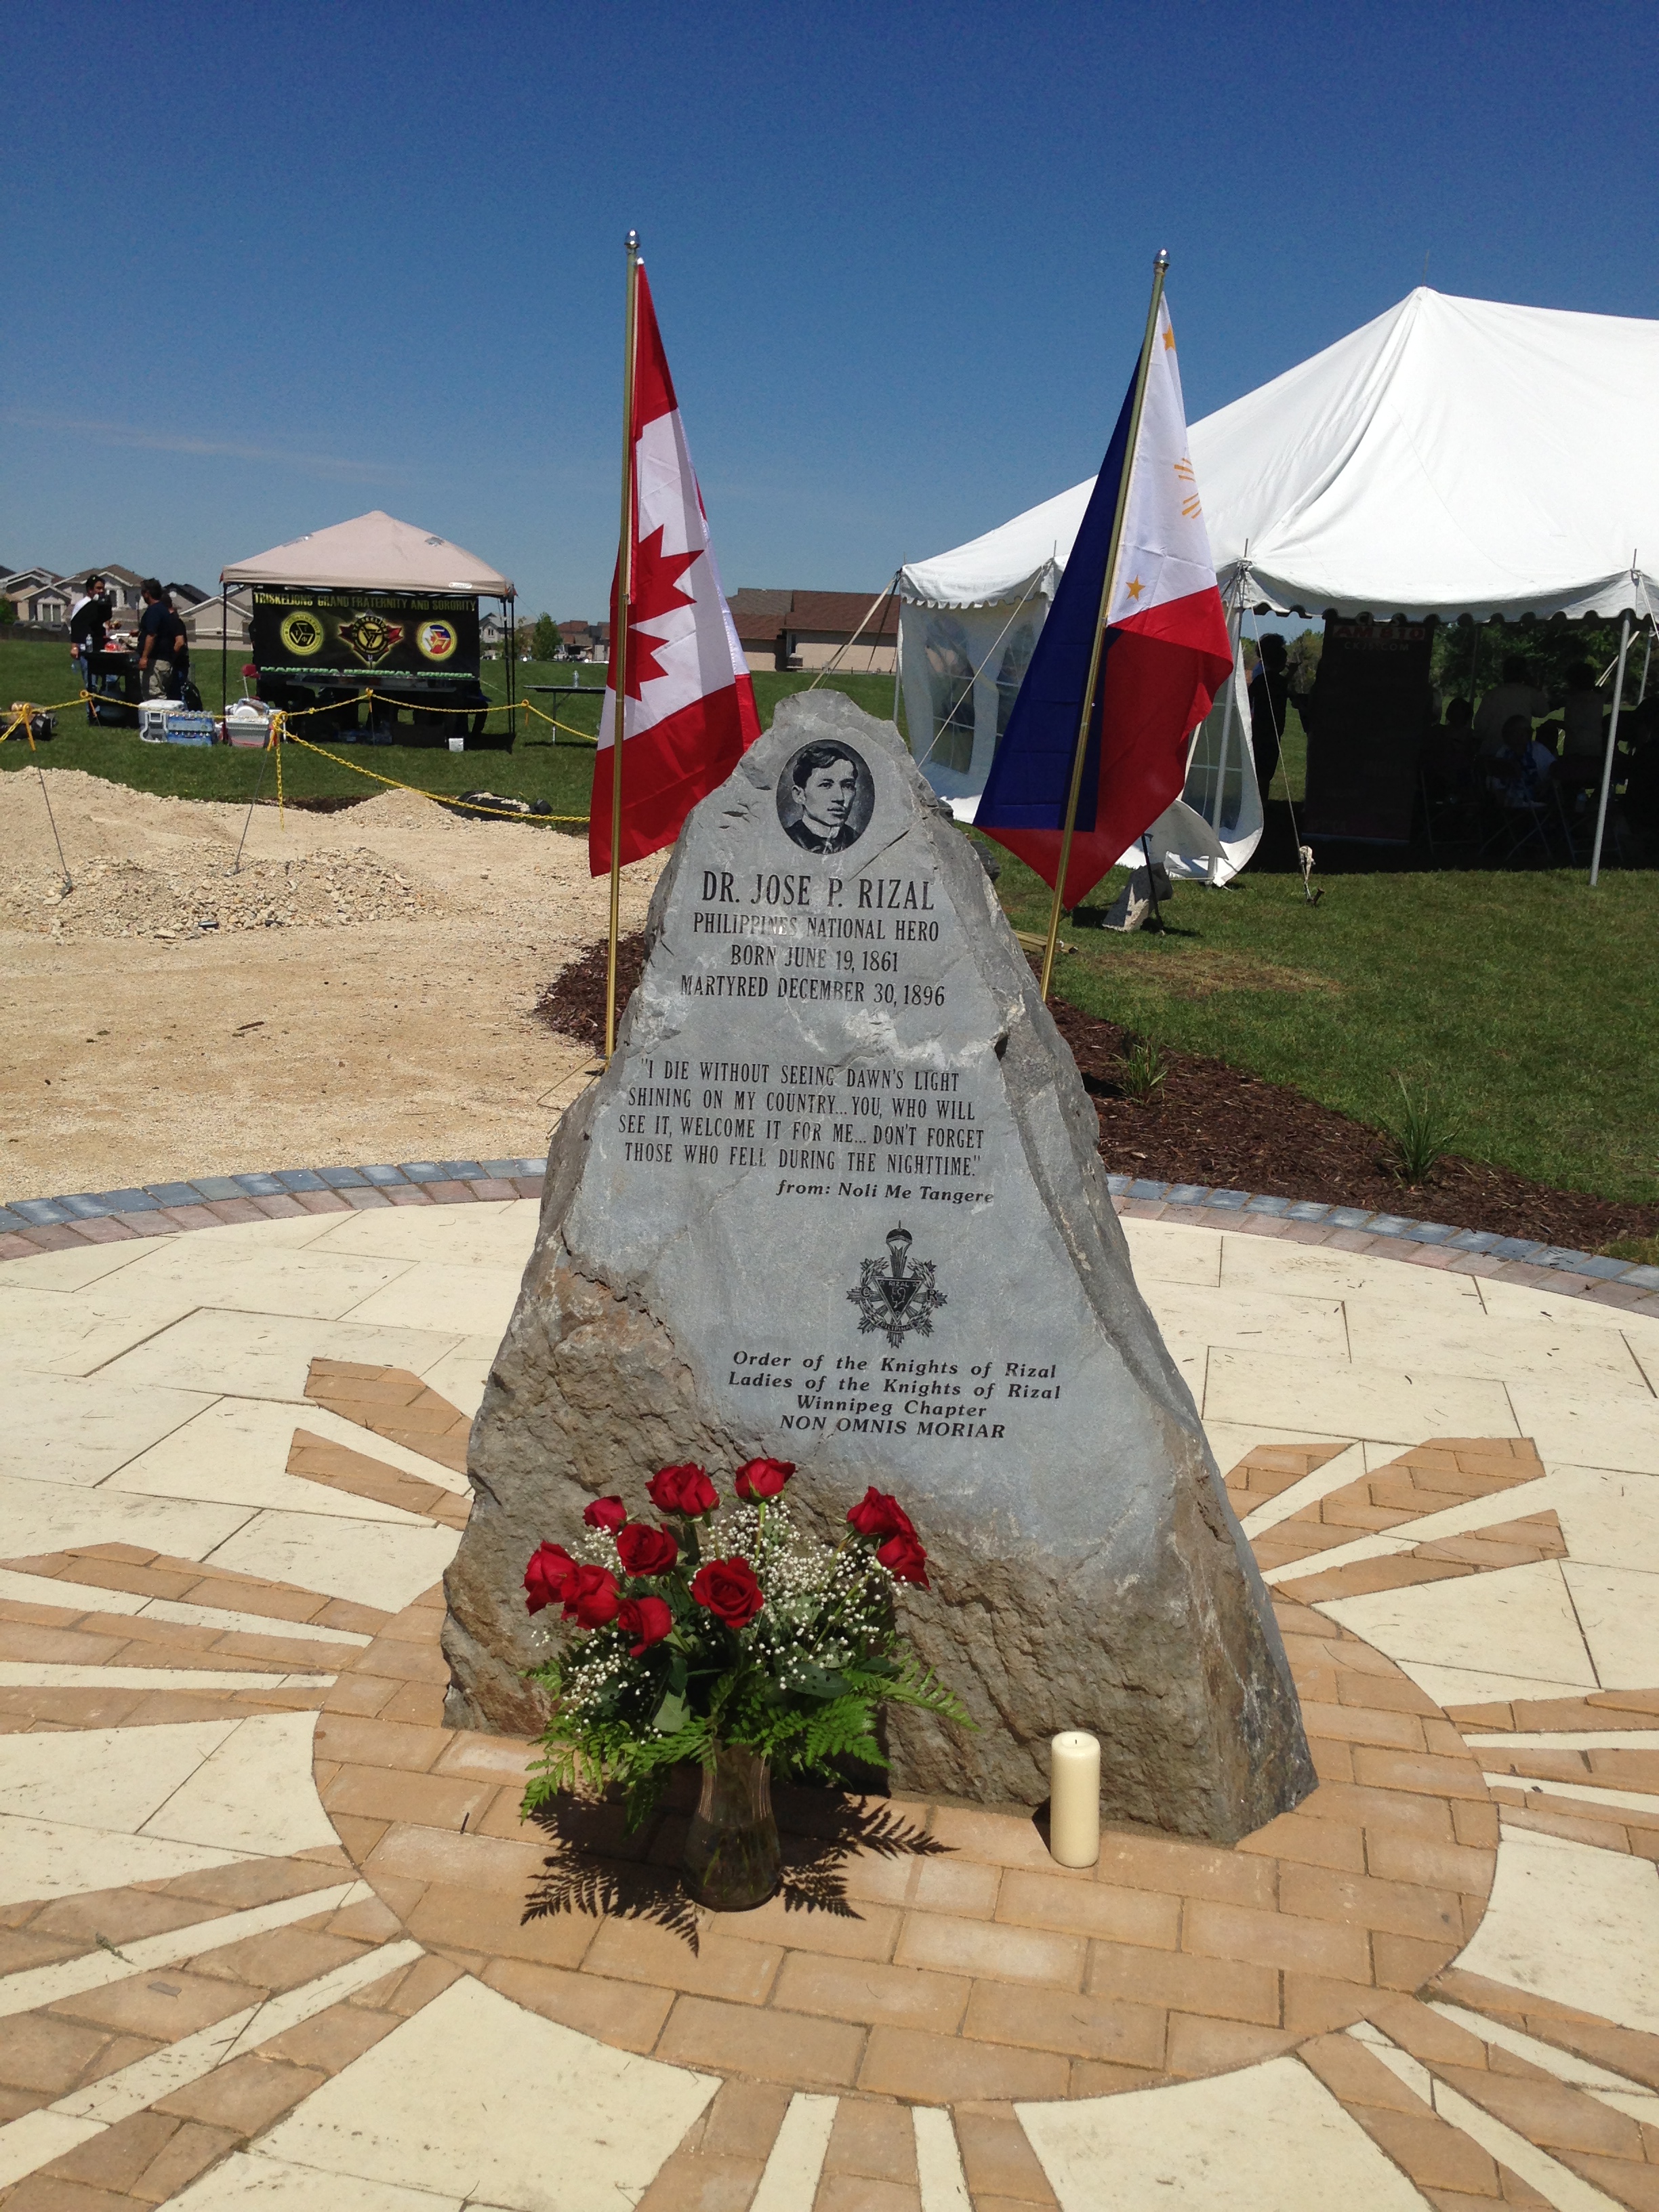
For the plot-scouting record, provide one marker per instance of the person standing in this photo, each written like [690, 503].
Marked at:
[1513, 695]
[163, 647]
[89, 620]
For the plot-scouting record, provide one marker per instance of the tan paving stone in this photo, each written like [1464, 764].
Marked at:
[873, 2138]
[859, 2193]
[1090, 1909]
[115, 2159]
[868, 1932]
[247, 2094]
[698, 2184]
[744, 2120]
[1197, 2046]
[1402, 1907]
[638, 1951]
[996, 2158]
[942, 2070]
[427, 1801]
[50, 2053]
[868, 1990]
[1138, 1861]
[768, 2044]
[626, 2015]
[1275, 1939]
[1126, 2034]
[330, 2040]
[1227, 1988]
[468, 1920]
[988, 1949]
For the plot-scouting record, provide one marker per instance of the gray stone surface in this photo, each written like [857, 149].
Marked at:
[832, 1052]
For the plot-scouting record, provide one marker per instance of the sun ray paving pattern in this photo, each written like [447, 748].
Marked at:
[270, 1933]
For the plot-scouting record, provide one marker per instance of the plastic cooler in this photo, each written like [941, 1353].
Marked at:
[153, 718]
[244, 728]
[186, 727]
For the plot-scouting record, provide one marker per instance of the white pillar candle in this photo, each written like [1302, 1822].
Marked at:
[1074, 1798]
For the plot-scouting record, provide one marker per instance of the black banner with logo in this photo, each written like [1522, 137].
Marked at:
[363, 635]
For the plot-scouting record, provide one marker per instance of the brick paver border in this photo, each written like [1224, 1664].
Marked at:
[163, 1209]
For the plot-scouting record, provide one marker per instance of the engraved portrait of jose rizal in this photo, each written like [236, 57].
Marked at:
[826, 795]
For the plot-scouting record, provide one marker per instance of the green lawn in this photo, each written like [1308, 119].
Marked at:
[1522, 1000]
[555, 766]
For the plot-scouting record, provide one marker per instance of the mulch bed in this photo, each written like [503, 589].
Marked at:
[1212, 1124]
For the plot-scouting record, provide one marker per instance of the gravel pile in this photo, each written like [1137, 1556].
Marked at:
[193, 892]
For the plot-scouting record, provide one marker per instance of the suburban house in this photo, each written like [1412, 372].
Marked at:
[204, 622]
[807, 630]
[40, 596]
[27, 587]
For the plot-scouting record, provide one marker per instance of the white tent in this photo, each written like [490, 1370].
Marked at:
[1453, 457]
[373, 552]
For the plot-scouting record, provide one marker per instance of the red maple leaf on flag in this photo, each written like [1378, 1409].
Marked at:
[657, 590]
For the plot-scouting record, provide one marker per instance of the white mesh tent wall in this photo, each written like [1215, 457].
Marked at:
[1453, 457]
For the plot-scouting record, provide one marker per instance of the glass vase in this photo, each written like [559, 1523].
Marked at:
[732, 1858]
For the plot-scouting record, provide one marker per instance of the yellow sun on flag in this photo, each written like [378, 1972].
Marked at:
[1191, 506]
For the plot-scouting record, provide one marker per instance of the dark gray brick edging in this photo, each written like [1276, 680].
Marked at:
[163, 1209]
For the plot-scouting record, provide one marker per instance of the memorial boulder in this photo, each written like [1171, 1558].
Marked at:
[837, 1200]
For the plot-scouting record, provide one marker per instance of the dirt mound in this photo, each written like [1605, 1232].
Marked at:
[197, 891]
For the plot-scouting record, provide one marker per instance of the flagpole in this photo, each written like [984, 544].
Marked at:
[1160, 271]
[619, 641]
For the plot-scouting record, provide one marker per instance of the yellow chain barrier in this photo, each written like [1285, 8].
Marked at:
[23, 712]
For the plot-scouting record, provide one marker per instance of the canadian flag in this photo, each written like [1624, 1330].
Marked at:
[689, 714]
[1164, 654]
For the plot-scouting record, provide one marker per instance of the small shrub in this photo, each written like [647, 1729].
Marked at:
[1425, 1133]
[1141, 1072]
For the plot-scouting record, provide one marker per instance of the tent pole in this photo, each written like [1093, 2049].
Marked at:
[1612, 740]
[1160, 270]
[1236, 631]
[619, 640]
[898, 646]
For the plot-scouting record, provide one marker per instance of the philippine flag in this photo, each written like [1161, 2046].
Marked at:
[689, 713]
[1165, 653]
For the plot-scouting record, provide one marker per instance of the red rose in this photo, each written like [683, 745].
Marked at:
[684, 1490]
[728, 1588]
[605, 1513]
[644, 1550]
[646, 1618]
[877, 1515]
[761, 1478]
[904, 1557]
[590, 1596]
[545, 1578]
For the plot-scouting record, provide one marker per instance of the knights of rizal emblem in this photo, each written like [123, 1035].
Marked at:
[896, 1294]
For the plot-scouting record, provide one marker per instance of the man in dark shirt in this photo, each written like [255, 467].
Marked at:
[87, 625]
[163, 647]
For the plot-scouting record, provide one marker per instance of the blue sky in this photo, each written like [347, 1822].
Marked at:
[268, 267]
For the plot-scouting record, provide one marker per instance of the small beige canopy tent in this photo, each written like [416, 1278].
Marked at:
[376, 552]
[373, 552]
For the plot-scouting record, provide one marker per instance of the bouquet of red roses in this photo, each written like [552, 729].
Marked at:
[718, 1626]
